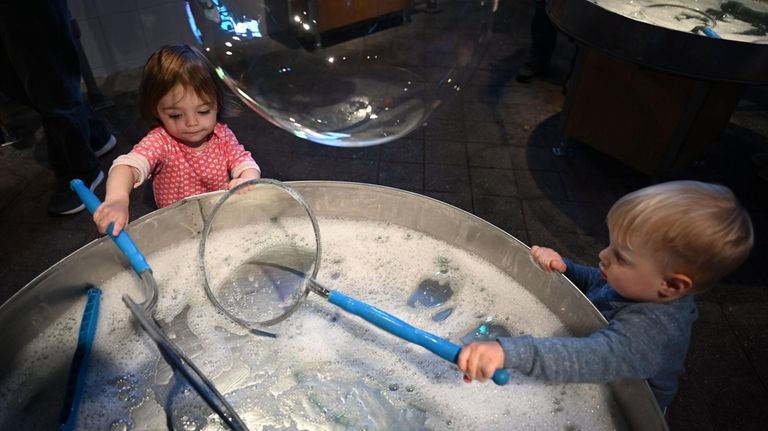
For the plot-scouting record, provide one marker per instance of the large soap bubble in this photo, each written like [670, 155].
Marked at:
[346, 73]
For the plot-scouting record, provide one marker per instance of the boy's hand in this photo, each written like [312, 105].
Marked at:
[480, 360]
[548, 259]
[113, 211]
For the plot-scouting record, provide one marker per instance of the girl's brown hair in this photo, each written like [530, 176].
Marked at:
[184, 65]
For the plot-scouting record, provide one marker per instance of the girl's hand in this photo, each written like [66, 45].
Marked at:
[480, 360]
[235, 182]
[248, 174]
[113, 211]
[548, 259]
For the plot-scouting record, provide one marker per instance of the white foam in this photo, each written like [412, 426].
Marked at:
[327, 369]
[673, 18]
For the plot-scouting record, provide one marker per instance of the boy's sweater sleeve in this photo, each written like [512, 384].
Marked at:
[631, 346]
[584, 277]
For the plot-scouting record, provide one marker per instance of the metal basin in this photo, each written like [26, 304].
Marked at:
[661, 48]
[42, 303]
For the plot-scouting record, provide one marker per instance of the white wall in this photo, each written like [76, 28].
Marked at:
[121, 34]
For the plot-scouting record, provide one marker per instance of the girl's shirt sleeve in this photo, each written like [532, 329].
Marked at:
[238, 158]
[146, 157]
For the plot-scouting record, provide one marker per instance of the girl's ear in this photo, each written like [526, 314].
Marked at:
[675, 286]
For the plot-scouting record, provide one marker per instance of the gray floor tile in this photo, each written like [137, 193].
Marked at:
[490, 155]
[728, 400]
[488, 181]
[503, 212]
[486, 131]
[445, 130]
[404, 150]
[565, 217]
[459, 200]
[446, 178]
[407, 176]
[445, 152]
[539, 184]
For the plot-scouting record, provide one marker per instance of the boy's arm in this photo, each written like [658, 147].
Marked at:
[633, 345]
[584, 277]
[549, 260]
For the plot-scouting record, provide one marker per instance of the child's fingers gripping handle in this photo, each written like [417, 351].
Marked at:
[123, 240]
[441, 347]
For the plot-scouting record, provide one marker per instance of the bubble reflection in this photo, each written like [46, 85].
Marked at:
[349, 74]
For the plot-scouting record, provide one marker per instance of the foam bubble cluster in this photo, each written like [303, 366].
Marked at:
[734, 20]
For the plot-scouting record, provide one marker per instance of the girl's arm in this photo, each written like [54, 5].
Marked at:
[240, 163]
[114, 210]
[248, 174]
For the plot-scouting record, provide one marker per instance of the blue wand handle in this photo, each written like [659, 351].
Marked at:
[710, 33]
[123, 240]
[79, 365]
[439, 346]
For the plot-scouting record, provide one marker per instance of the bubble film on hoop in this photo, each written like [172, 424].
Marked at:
[258, 274]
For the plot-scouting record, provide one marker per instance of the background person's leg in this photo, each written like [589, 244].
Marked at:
[37, 40]
[543, 40]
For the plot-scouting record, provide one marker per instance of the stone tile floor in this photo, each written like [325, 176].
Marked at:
[488, 152]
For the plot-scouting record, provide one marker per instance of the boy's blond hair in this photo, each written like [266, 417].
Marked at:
[698, 229]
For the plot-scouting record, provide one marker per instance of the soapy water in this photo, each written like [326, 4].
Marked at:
[326, 370]
[742, 20]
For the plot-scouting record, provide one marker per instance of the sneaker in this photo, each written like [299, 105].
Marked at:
[107, 147]
[530, 70]
[65, 201]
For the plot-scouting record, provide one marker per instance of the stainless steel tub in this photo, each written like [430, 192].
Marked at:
[661, 48]
[39, 304]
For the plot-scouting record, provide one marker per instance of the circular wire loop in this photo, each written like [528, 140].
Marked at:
[252, 186]
[712, 22]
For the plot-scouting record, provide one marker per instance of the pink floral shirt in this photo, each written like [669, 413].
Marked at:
[180, 171]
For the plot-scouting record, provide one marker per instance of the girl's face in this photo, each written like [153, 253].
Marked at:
[186, 117]
[633, 273]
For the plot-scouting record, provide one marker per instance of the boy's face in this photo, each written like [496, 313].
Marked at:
[186, 117]
[635, 275]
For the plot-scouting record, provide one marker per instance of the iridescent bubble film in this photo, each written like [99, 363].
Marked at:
[343, 73]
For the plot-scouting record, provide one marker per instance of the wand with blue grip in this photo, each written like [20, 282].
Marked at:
[79, 365]
[123, 240]
[124, 243]
[439, 346]
[170, 352]
[707, 31]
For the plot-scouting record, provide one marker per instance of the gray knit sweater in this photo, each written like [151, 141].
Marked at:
[642, 340]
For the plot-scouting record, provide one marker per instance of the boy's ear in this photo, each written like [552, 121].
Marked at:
[675, 286]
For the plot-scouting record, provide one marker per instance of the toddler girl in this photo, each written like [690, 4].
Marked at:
[191, 151]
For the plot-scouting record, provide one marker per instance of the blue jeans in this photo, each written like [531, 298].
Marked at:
[39, 66]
